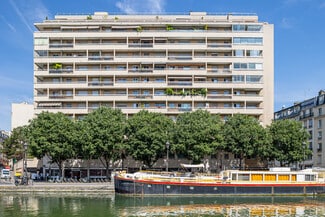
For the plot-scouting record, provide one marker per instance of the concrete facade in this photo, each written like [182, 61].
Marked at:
[21, 113]
[163, 63]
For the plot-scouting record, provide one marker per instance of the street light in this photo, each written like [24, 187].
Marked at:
[25, 176]
[167, 148]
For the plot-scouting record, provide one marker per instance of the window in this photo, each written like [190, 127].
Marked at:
[135, 92]
[41, 53]
[248, 40]
[320, 134]
[238, 27]
[319, 148]
[159, 92]
[252, 66]
[254, 28]
[238, 78]
[41, 41]
[159, 105]
[320, 111]
[95, 92]
[321, 99]
[68, 93]
[82, 93]
[238, 53]
[251, 28]
[253, 78]
[254, 53]
[310, 121]
[319, 124]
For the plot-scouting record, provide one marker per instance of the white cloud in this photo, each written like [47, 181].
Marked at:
[138, 6]
[29, 11]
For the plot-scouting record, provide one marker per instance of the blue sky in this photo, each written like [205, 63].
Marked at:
[299, 40]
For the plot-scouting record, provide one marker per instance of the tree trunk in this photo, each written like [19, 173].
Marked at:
[88, 170]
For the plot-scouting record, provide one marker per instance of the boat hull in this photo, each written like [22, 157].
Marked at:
[144, 187]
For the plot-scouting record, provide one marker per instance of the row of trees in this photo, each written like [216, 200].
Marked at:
[106, 134]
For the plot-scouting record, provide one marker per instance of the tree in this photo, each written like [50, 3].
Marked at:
[289, 141]
[197, 134]
[147, 134]
[52, 135]
[13, 145]
[244, 136]
[103, 131]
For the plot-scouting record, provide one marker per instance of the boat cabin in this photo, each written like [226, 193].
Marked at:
[273, 175]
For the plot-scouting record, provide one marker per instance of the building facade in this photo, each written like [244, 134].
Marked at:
[3, 160]
[311, 113]
[163, 63]
[21, 114]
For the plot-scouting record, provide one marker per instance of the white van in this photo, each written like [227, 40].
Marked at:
[5, 173]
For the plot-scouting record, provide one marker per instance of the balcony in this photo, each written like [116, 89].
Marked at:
[100, 83]
[135, 70]
[311, 114]
[60, 96]
[180, 57]
[61, 45]
[60, 71]
[92, 58]
[141, 45]
[140, 96]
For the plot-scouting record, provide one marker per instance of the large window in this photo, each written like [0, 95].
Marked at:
[253, 78]
[41, 41]
[250, 66]
[248, 40]
[238, 78]
[254, 53]
[251, 28]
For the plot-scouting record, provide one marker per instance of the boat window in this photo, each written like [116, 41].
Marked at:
[309, 177]
[243, 177]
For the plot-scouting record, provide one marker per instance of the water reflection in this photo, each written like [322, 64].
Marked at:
[222, 206]
[109, 205]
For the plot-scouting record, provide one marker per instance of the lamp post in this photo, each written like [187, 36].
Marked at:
[167, 157]
[25, 175]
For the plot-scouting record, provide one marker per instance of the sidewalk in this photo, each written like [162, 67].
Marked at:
[49, 187]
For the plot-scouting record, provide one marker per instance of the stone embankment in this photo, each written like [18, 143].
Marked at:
[61, 188]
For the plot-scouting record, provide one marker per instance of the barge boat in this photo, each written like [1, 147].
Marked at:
[275, 181]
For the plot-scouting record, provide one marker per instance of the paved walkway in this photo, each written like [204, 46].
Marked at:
[93, 187]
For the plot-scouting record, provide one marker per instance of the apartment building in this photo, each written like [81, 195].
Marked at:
[311, 113]
[163, 63]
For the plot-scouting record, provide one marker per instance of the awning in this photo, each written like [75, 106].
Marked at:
[192, 165]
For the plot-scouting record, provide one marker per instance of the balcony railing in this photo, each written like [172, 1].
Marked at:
[60, 45]
[100, 58]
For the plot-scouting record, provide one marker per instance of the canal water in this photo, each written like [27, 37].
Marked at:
[76, 205]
